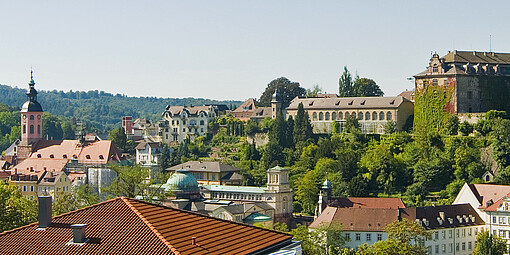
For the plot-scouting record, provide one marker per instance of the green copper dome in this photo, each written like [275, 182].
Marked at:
[257, 217]
[182, 181]
[326, 184]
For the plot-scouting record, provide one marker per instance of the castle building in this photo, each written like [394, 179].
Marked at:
[372, 112]
[477, 81]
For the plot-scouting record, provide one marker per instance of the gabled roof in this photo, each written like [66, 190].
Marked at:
[31, 165]
[205, 166]
[244, 207]
[246, 106]
[192, 110]
[367, 202]
[347, 103]
[443, 216]
[494, 207]
[486, 192]
[356, 219]
[130, 226]
[143, 144]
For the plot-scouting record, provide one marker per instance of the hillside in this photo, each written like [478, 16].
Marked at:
[101, 109]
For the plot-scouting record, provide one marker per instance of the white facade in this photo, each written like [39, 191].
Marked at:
[148, 154]
[499, 219]
[357, 238]
[458, 241]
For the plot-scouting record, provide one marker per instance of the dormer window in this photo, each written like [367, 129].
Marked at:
[87, 156]
[64, 156]
[101, 157]
[434, 68]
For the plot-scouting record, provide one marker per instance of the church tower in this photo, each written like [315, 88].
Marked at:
[31, 116]
[279, 194]
[276, 104]
[324, 196]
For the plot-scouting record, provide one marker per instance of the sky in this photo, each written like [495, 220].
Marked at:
[233, 49]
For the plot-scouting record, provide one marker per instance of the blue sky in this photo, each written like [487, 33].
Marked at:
[233, 49]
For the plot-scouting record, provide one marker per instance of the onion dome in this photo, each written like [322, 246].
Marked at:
[182, 181]
[31, 105]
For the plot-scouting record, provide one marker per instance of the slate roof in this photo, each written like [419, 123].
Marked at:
[192, 110]
[244, 207]
[356, 219]
[142, 145]
[459, 215]
[367, 202]
[205, 166]
[130, 226]
[475, 57]
[347, 103]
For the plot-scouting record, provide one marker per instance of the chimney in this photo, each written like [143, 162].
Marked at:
[193, 241]
[79, 233]
[44, 211]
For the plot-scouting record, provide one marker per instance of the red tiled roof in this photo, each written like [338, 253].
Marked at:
[367, 202]
[248, 104]
[356, 219]
[130, 226]
[487, 192]
[497, 204]
[97, 152]
[40, 165]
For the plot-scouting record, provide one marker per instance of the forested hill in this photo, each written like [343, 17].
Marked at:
[101, 109]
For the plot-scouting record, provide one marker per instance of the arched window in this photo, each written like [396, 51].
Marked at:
[340, 116]
[367, 116]
[388, 115]
[360, 116]
[333, 116]
[39, 129]
[434, 68]
[374, 116]
[31, 117]
[314, 116]
[201, 122]
[381, 116]
[346, 115]
[434, 82]
[24, 129]
[321, 116]
[31, 129]
[327, 115]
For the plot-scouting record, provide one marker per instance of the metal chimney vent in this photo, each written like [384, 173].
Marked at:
[79, 236]
[44, 216]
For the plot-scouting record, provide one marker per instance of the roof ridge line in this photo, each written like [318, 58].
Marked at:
[151, 227]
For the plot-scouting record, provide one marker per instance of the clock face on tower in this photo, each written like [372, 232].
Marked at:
[39, 117]
[24, 116]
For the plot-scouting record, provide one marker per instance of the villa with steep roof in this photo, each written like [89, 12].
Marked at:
[211, 172]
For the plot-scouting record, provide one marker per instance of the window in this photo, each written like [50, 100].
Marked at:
[434, 82]
[464, 232]
[24, 129]
[381, 116]
[444, 248]
[184, 122]
[202, 122]
[437, 249]
[327, 116]
[241, 115]
[457, 233]
[358, 237]
[379, 237]
[450, 234]
[434, 68]
[333, 116]
[369, 237]
[346, 115]
[502, 220]
[340, 115]
[374, 116]
[450, 247]
[314, 116]
[470, 246]
[38, 129]
[347, 236]
[463, 246]
[388, 116]
[367, 116]
[436, 235]
[457, 246]
[31, 188]
[470, 231]
[443, 234]
[24, 188]
[321, 116]
[31, 129]
[360, 116]
[494, 219]
[31, 117]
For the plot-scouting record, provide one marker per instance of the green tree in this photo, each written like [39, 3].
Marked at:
[272, 155]
[321, 241]
[465, 128]
[404, 237]
[365, 87]
[345, 84]
[452, 125]
[314, 91]
[302, 126]
[501, 144]
[252, 127]
[51, 127]
[79, 197]
[489, 244]
[351, 124]
[390, 127]
[118, 137]
[164, 159]
[16, 210]
[286, 89]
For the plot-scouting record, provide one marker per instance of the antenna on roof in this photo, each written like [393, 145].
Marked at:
[490, 43]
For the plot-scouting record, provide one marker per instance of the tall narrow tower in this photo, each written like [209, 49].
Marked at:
[31, 116]
[276, 104]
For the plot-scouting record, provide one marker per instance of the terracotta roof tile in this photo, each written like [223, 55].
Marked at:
[487, 192]
[130, 226]
[356, 219]
[367, 202]
[97, 152]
